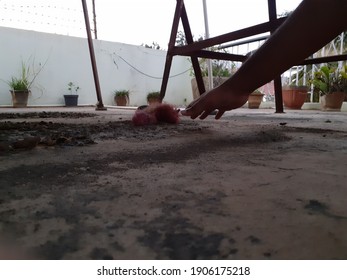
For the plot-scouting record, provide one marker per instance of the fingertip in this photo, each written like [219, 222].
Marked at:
[219, 115]
[183, 112]
[204, 115]
[186, 112]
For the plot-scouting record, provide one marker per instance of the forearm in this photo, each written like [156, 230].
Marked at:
[311, 26]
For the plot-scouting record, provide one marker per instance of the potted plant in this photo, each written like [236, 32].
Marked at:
[295, 91]
[331, 82]
[121, 97]
[20, 86]
[19, 91]
[71, 100]
[294, 96]
[153, 97]
[254, 99]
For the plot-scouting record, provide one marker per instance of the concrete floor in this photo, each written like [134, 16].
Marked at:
[253, 185]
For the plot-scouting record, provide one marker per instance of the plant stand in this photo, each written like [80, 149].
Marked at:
[71, 100]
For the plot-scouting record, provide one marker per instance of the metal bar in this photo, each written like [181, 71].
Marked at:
[176, 21]
[232, 36]
[278, 94]
[171, 46]
[195, 61]
[325, 59]
[277, 81]
[217, 55]
[94, 21]
[243, 42]
[100, 105]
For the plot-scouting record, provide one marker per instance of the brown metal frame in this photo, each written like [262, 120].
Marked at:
[100, 105]
[196, 49]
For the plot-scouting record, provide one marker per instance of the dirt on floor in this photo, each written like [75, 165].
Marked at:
[254, 185]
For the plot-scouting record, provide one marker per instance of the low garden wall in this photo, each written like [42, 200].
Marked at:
[65, 59]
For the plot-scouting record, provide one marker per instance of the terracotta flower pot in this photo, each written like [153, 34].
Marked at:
[153, 100]
[294, 96]
[332, 101]
[121, 100]
[254, 100]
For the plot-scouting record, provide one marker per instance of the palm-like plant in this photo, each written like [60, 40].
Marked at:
[330, 79]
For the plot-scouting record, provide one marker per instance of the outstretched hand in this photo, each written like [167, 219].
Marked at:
[216, 99]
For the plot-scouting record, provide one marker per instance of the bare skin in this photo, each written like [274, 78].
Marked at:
[313, 24]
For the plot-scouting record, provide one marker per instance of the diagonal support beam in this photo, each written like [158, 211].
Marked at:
[172, 41]
[100, 105]
[195, 60]
[180, 14]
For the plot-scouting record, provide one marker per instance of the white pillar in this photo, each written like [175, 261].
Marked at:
[341, 48]
[207, 35]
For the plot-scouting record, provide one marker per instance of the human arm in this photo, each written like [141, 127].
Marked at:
[313, 24]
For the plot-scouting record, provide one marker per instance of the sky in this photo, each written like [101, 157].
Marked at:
[135, 21]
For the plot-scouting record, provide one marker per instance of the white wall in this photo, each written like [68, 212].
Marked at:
[67, 59]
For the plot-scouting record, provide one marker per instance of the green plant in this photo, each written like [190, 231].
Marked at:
[21, 83]
[153, 95]
[26, 78]
[122, 93]
[330, 79]
[18, 84]
[154, 46]
[72, 88]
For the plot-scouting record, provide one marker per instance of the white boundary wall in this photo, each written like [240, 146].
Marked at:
[67, 59]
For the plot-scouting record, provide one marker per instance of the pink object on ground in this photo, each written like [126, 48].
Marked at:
[156, 113]
[142, 117]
